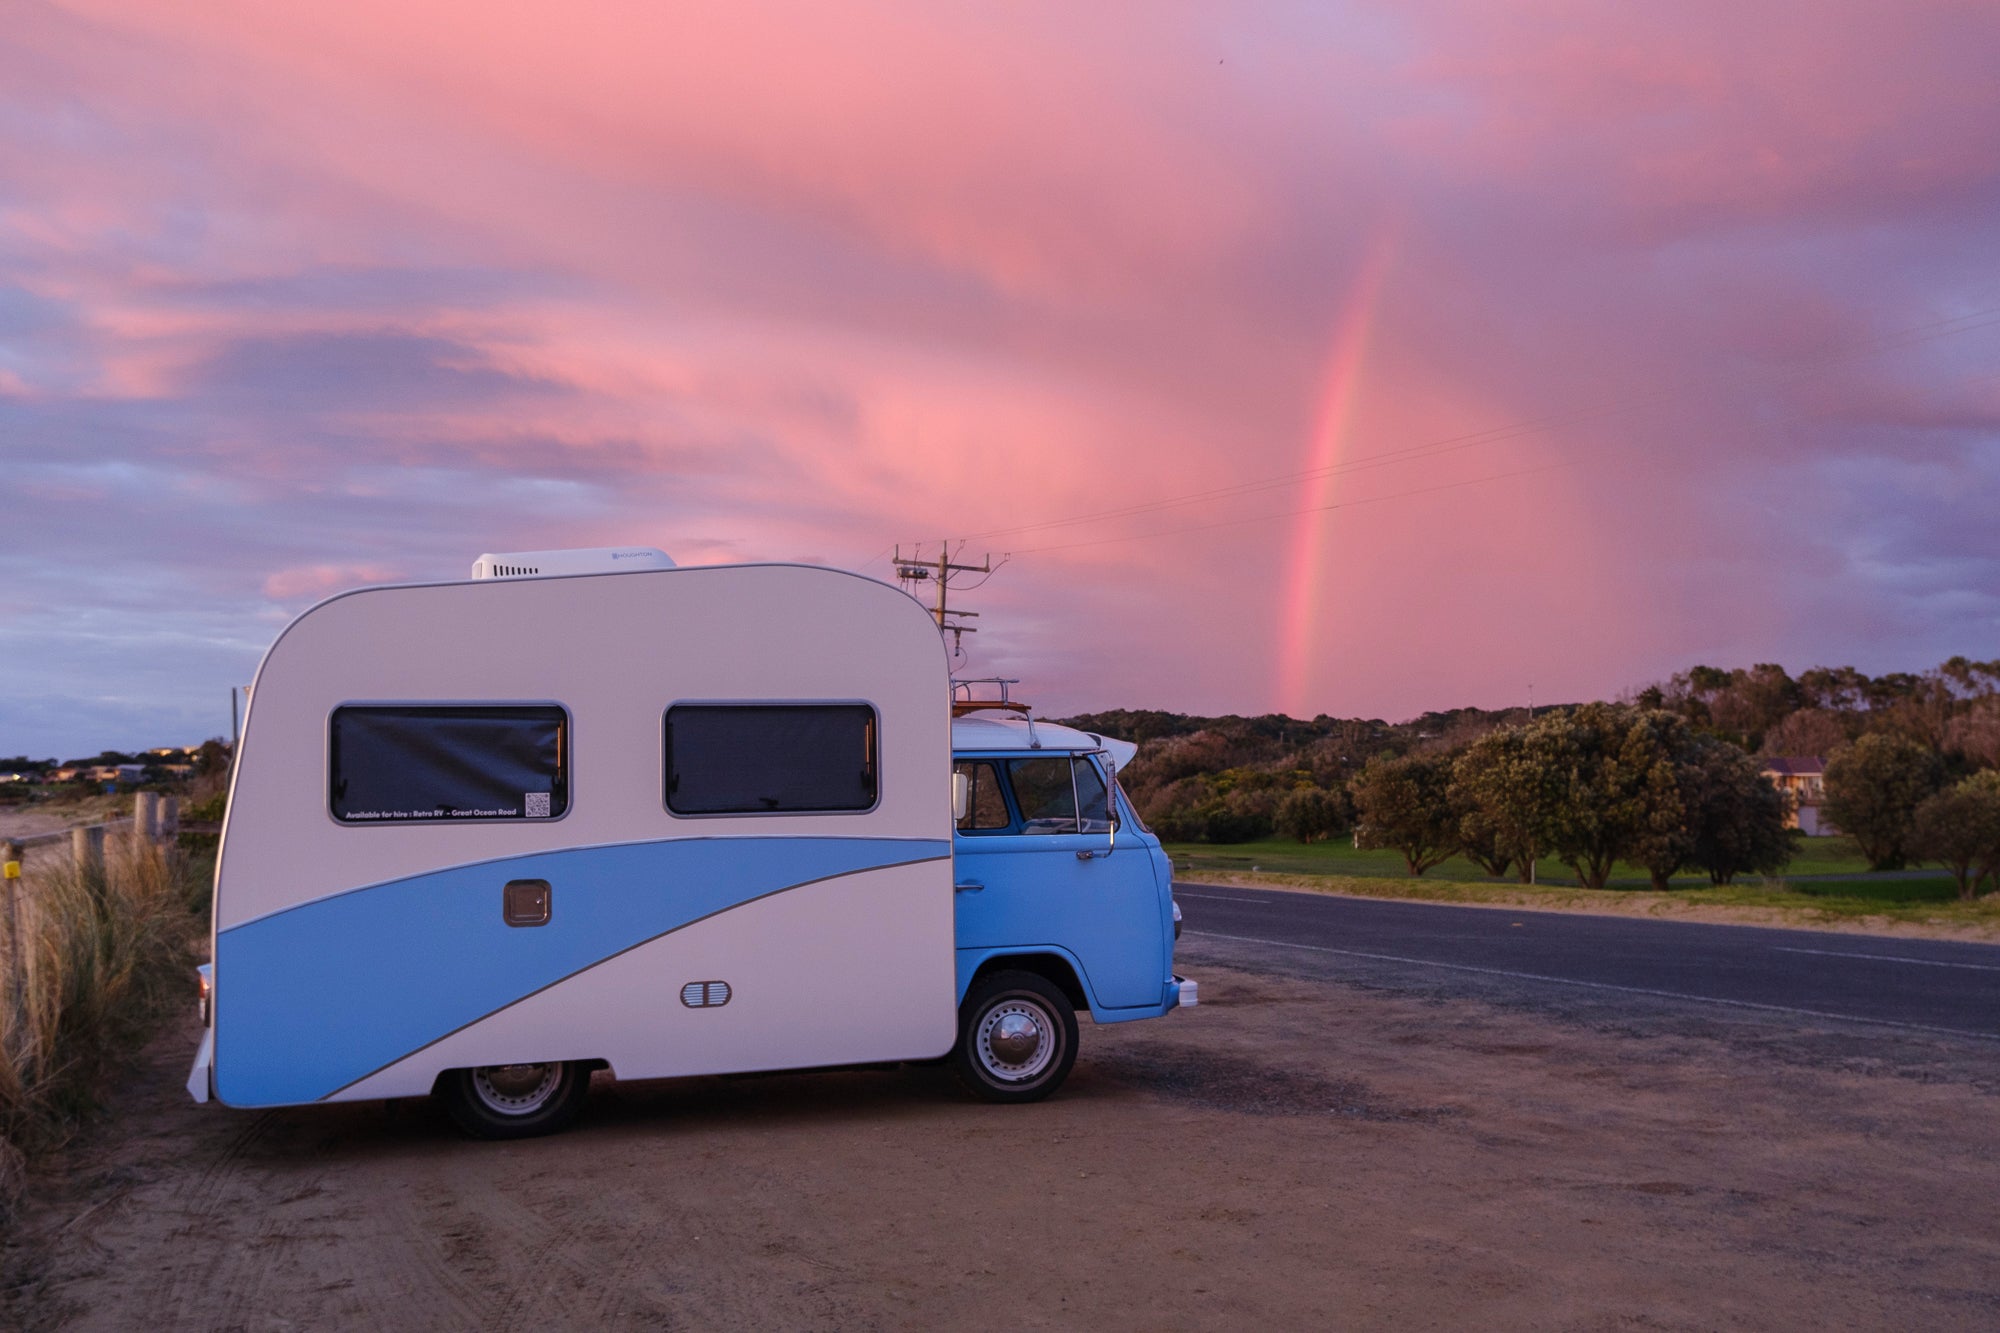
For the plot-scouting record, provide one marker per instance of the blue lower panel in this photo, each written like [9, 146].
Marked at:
[317, 997]
[971, 960]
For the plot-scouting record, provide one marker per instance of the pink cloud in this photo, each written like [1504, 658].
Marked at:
[319, 580]
[804, 281]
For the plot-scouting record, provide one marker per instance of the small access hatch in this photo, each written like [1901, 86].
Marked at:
[527, 902]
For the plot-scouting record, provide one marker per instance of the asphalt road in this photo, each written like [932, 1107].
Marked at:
[1926, 985]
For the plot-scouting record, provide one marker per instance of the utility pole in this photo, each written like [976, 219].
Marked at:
[1531, 718]
[914, 568]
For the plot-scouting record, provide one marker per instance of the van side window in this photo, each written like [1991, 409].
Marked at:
[426, 763]
[987, 810]
[1090, 795]
[754, 759]
[1044, 791]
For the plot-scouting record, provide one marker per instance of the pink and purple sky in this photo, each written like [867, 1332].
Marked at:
[1344, 358]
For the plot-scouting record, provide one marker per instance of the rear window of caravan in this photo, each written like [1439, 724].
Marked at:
[759, 759]
[433, 763]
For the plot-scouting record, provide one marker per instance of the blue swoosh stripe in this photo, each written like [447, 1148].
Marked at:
[317, 997]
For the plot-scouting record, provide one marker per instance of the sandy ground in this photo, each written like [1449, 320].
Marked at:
[28, 821]
[1307, 1149]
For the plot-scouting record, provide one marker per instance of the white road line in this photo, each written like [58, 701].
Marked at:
[1889, 958]
[1218, 898]
[1602, 985]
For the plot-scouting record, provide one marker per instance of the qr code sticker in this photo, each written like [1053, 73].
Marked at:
[537, 803]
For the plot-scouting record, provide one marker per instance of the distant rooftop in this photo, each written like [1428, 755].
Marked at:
[1795, 765]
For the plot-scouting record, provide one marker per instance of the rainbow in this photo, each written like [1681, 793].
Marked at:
[1300, 605]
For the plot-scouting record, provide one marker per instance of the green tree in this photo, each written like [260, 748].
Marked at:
[1873, 789]
[1240, 816]
[1311, 814]
[1405, 804]
[1959, 827]
[1808, 731]
[1736, 818]
[1662, 749]
[1506, 790]
[1480, 845]
[1619, 786]
[211, 759]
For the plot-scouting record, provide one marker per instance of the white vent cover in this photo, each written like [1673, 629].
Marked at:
[547, 564]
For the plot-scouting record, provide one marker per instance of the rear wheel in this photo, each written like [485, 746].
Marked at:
[1016, 1038]
[515, 1101]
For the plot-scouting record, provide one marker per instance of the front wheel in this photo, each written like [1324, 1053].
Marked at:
[515, 1101]
[1016, 1038]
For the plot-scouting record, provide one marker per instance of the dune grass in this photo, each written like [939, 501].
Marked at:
[103, 951]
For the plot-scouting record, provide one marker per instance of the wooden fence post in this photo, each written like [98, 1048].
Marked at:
[87, 846]
[145, 820]
[10, 867]
[170, 818]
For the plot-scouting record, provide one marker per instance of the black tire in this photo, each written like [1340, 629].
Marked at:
[515, 1101]
[1014, 1009]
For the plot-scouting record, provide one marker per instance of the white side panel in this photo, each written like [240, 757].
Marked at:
[615, 650]
[843, 972]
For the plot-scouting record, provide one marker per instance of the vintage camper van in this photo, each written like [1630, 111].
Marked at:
[592, 811]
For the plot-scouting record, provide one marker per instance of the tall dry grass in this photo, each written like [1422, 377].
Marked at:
[103, 952]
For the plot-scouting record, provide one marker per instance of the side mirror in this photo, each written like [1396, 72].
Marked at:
[1108, 778]
[961, 795]
[1111, 798]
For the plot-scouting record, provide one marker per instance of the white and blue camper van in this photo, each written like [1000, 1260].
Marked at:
[589, 810]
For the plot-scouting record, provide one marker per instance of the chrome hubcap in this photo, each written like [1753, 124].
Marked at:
[1016, 1041]
[1015, 1038]
[516, 1089]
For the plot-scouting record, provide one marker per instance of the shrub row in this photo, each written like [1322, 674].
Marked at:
[1594, 786]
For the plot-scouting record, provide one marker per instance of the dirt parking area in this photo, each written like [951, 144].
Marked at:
[1303, 1150]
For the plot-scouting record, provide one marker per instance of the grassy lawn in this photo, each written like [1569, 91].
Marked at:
[1816, 857]
[1337, 867]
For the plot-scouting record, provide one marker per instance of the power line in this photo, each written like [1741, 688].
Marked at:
[917, 568]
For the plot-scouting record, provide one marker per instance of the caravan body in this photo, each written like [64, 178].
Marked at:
[694, 821]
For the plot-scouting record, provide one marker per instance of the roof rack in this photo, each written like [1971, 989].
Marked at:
[963, 702]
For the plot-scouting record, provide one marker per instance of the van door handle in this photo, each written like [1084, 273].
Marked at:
[967, 886]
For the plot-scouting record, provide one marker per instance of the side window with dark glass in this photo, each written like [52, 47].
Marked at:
[1046, 794]
[435, 763]
[986, 811]
[759, 759]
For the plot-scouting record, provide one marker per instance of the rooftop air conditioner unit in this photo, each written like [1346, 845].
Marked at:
[552, 564]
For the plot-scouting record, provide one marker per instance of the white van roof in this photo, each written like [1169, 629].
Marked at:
[997, 730]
